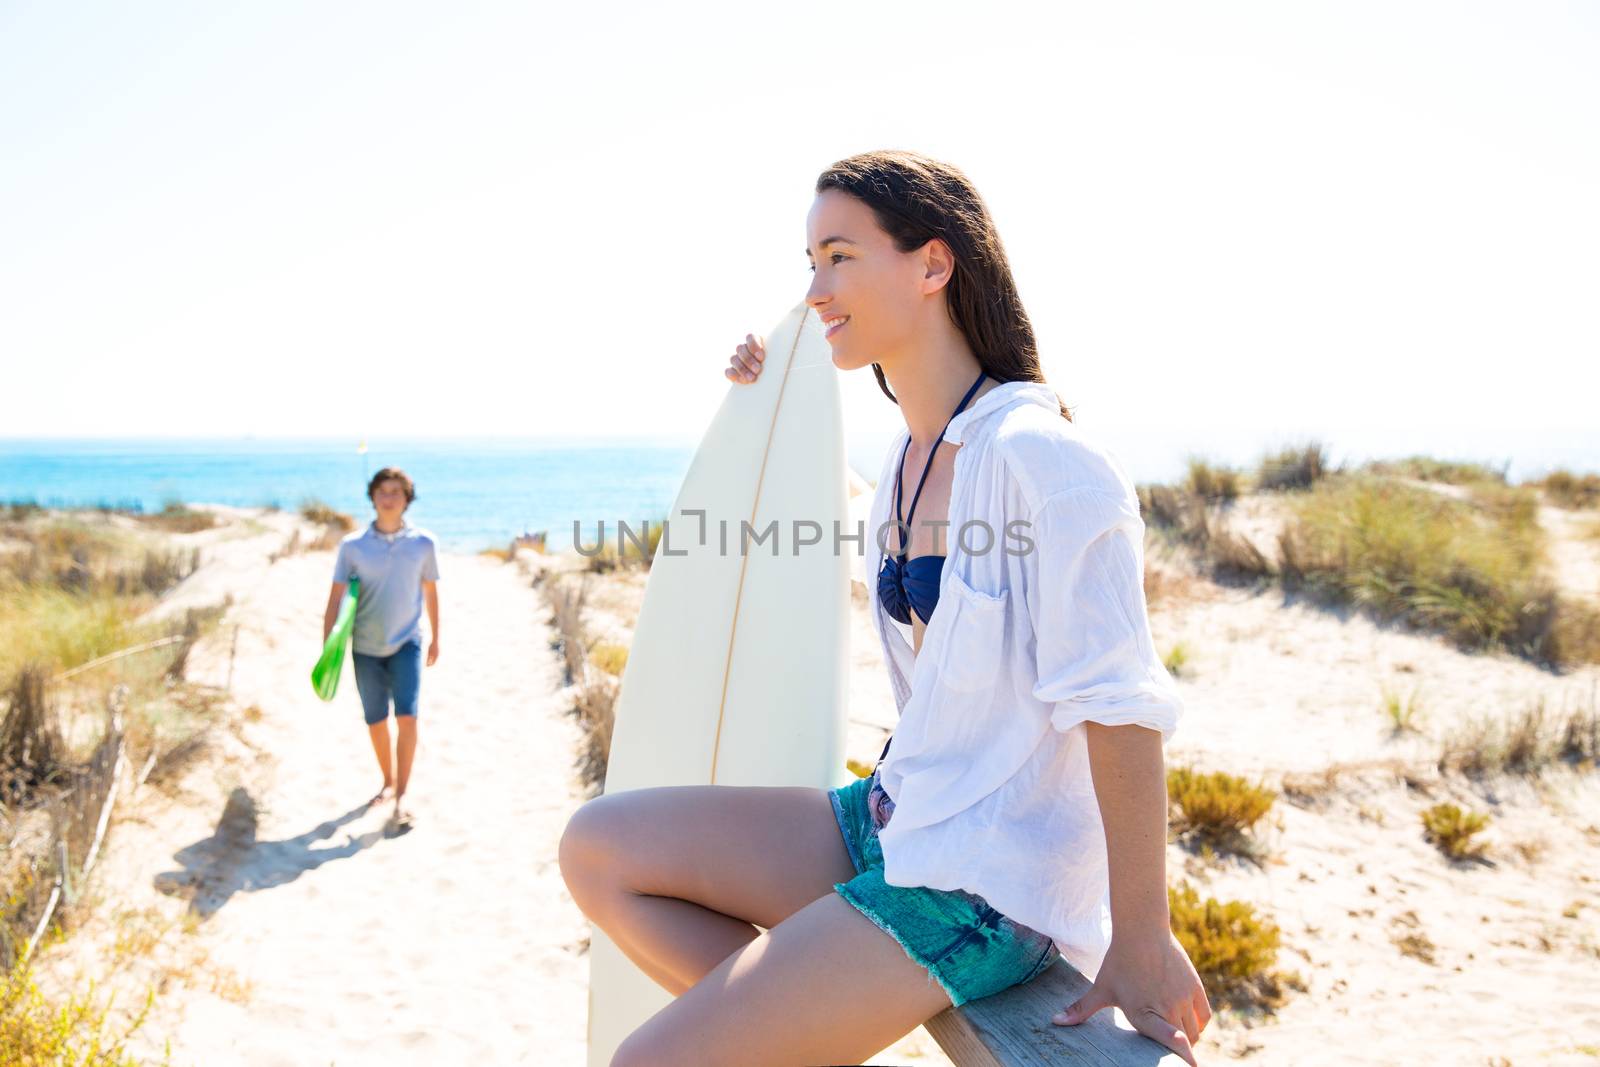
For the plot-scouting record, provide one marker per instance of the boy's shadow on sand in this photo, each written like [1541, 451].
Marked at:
[232, 860]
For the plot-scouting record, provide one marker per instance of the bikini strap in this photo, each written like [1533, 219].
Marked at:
[926, 467]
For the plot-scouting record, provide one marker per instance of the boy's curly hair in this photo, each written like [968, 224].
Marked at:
[396, 474]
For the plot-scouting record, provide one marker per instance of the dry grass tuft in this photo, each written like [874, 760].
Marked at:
[32, 749]
[1524, 743]
[314, 510]
[1568, 490]
[595, 691]
[1298, 467]
[177, 517]
[637, 547]
[1209, 481]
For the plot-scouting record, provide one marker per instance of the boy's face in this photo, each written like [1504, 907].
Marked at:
[389, 498]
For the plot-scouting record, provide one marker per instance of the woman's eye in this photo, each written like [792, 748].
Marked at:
[837, 256]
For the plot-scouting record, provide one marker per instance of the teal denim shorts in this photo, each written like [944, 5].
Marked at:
[968, 947]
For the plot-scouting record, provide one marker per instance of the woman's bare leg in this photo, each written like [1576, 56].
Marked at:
[680, 877]
[826, 985]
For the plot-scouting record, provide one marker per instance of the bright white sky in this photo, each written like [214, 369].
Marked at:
[528, 219]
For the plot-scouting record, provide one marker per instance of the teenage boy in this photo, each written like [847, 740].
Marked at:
[399, 571]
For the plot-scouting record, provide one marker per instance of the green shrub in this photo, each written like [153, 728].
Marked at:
[1451, 829]
[1215, 808]
[1233, 950]
[33, 1031]
[1176, 659]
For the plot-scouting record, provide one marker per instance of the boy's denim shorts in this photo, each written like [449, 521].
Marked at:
[967, 946]
[380, 678]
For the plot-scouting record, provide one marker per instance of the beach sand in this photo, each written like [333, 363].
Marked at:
[317, 936]
[322, 936]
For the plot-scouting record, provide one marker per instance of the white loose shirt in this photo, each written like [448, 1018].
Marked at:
[989, 767]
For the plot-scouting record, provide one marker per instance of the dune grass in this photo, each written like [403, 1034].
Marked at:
[1471, 570]
[1211, 481]
[1470, 564]
[594, 690]
[1568, 490]
[1294, 467]
[70, 592]
[1429, 469]
[638, 543]
[1524, 743]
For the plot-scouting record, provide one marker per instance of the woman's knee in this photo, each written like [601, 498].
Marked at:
[584, 851]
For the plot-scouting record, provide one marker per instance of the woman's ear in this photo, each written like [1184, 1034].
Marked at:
[938, 265]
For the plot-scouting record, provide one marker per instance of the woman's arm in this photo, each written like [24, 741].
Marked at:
[1098, 667]
[1129, 782]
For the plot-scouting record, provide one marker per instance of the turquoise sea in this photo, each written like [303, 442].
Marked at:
[477, 493]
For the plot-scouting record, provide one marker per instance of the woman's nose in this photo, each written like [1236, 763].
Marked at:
[817, 295]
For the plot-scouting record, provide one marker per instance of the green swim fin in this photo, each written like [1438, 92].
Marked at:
[325, 675]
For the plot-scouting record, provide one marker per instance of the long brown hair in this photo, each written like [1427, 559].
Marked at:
[916, 199]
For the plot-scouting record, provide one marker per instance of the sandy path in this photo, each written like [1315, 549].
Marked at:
[453, 943]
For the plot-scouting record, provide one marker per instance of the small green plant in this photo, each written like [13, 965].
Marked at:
[1215, 808]
[1232, 948]
[1403, 713]
[1176, 659]
[1451, 829]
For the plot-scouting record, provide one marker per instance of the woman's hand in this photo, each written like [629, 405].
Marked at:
[746, 361]
[1156, 987]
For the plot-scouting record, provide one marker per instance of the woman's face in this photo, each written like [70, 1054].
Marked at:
[867, 292]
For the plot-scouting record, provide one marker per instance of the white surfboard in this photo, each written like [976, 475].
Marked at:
[738, 670]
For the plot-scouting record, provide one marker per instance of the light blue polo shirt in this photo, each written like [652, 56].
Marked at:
[392, 568]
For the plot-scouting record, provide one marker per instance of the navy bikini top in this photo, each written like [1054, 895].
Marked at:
[906, 585]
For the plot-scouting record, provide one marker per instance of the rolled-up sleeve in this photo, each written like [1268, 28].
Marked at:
[1085, 594]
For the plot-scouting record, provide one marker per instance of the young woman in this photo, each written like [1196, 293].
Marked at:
[1020, 807]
